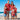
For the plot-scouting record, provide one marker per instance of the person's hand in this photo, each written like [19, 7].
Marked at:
[5, 7]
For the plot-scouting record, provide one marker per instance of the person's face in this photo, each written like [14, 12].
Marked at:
[11, 2]
[8, 2]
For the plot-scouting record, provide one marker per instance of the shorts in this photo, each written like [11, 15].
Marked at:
[15, 14]
[4, 15]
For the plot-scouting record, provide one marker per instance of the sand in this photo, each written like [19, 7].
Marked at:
[2, 17]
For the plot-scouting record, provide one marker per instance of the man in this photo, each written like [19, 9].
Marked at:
[6, 9]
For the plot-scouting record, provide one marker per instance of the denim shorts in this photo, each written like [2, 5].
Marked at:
[15, 14]
[4, 15]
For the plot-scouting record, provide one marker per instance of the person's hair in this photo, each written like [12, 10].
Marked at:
[11, 1]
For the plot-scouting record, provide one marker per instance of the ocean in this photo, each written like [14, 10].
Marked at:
[2, 13]
[10, 12]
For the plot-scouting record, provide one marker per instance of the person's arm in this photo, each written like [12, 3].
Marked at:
[4, 9]
[16, 10]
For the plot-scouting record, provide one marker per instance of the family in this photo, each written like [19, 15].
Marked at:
[10, 7]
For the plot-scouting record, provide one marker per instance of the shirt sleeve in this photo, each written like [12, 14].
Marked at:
[5, 4]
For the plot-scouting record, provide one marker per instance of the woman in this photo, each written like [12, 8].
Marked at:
[12, 10]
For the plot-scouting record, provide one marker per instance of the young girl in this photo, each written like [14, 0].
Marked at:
[13, 14]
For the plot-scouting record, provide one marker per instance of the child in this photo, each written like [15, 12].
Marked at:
[13, 13]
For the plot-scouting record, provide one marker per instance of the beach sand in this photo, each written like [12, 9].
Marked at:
[2, 17]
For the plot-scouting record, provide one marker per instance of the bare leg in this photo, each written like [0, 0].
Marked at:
[5, 18]
[16, 16]
[8, 15]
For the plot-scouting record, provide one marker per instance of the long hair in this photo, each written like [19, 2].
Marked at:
[13, 3]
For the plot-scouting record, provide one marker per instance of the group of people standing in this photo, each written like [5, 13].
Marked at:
[10, 7]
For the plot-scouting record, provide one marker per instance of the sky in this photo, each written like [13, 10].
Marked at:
[3, 2]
